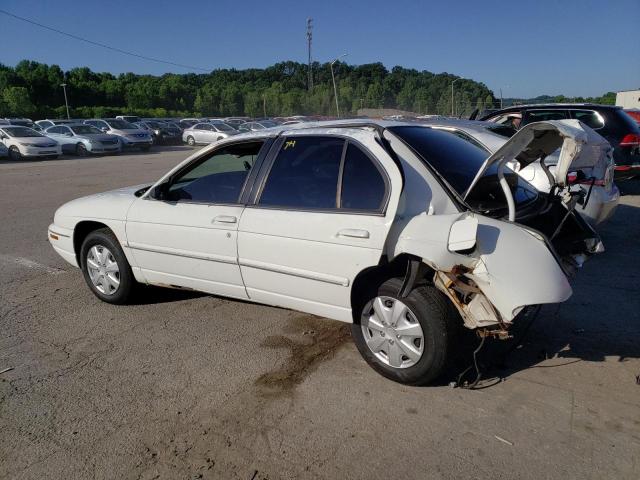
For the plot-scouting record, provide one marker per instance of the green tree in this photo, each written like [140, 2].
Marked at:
[17, 102]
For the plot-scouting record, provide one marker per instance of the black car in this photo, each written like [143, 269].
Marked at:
[162, 133]
[609, 121]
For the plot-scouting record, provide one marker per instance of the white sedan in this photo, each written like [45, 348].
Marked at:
[24, 142]
[384, 225]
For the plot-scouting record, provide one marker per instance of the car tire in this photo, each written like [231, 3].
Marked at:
[14, 153]
[99, 252]
[191, 141]
[81, 150]
[428, 313]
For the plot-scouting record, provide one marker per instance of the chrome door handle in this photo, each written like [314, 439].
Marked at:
[225, 219]
[353, 233]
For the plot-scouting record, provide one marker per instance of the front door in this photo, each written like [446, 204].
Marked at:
[322, 217]
[187, 235]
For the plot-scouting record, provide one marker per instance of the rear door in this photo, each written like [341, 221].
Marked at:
[319, 217]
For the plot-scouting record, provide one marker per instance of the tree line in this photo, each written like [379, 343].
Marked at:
[33, 89]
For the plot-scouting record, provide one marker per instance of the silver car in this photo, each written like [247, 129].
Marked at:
[601, 196]
[207, 132]
[82, 139]
[130, 135]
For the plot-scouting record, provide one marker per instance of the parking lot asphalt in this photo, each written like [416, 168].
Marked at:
[183, 385]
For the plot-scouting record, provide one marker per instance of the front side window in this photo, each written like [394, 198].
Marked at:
[85, 129]
[305, 174]
[121, 125]
[222, 127]
[218, 178]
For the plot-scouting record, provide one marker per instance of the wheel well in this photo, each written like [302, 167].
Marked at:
[80, 233]
[367, 282]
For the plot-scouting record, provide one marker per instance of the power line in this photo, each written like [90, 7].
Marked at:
[98, 44]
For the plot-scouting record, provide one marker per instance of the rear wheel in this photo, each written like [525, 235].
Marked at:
[14, 153]
[105, 267]
[191, 141]
[406, 339]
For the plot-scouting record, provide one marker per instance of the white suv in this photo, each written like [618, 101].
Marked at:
[403, 231]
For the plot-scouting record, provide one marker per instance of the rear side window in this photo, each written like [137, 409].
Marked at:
[305, 174]
[363, 186]
[589, 118]
[544, 115]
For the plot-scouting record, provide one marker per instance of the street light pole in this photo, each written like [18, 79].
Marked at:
[335, 89]
[66, 102]
[452, 94]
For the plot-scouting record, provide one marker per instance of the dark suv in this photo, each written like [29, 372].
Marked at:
[609, 121]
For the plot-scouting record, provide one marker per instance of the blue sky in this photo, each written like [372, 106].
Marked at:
[529, 48]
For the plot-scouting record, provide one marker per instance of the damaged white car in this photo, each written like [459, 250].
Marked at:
[385, 225]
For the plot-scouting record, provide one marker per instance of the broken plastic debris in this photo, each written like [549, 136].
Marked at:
[503, 440]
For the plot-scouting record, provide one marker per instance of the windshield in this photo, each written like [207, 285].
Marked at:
[268, 124]
[223, 127]
[121, 125]
[155, 125]
[458, 161]
[21, 132]
[22, 123]
[85, 129]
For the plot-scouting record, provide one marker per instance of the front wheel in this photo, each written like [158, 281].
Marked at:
[105, 267]
[406, 339]
[81, 150]
[14, 153]
[191, 141]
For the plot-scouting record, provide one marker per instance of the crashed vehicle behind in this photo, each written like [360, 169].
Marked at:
[401, 230]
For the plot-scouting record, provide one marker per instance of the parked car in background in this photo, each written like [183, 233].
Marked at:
[44, 124]
[257, 126]
[130, 135]
[129, 118]
[188, 122]
[207, 132]
[81, 139]
[24, 142]
[23, 122]
[236, 121]
[600, 195]
[405, 232]
[162, 133]
[4, 151]
[609, 121]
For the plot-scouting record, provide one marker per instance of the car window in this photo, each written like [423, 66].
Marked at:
[54, 130]
[589, 118]
[544, 115]
[304, 174]
[218, 178]
[85, 129]
[363, 186]
[121, 124]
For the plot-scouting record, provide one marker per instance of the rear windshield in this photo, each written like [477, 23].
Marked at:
[458, 160]
[455, 159]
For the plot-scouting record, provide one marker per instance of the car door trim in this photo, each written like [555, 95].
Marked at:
[182, 253]
[296, 272]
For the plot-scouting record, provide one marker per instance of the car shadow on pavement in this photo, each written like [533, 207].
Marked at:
[599, 323]
[150, 295]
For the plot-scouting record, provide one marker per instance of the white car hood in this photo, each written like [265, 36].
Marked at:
[112, 205]
[581, 148]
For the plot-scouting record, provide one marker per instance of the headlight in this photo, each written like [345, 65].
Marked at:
[30, 144]
[157, 132]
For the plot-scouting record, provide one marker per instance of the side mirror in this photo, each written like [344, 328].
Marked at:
[462, 236]
[104, 129]
[160, 192]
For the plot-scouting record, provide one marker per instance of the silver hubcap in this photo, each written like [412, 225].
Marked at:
[392, 332]
[103, 270]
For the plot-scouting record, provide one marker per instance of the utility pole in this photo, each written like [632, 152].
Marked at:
[500, 99]
[452, 114]
[335, 90]
[309, 38]
[66, 102]
[264, 105]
